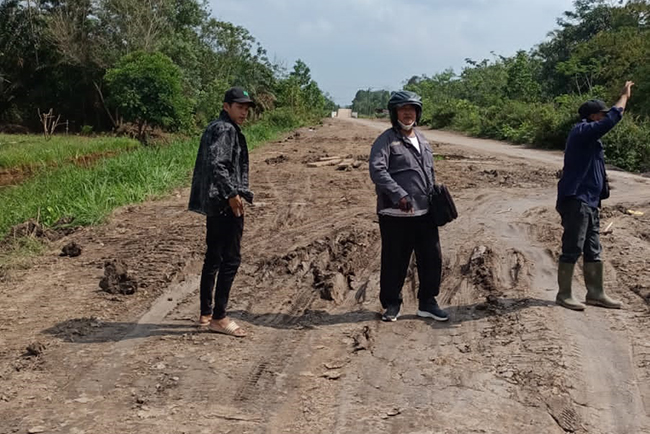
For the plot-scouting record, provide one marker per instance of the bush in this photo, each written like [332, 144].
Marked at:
[458, 114]
[545, 125]
[86, 130]
[147, 90]
[282, 118]
[441, 116]
[467, 118]
[210, 101]
[628, 145]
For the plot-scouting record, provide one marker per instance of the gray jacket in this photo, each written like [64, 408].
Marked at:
[399, 170]
[221, 169]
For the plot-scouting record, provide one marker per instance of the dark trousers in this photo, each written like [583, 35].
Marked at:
[581, 235]
[400, 237]
[223, 239]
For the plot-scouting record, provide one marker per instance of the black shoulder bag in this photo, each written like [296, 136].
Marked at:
[441, 205]
[442, 208]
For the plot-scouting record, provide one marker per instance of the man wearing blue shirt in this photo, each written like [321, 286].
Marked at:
[582, 187]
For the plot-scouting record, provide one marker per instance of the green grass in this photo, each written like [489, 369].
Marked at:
[91, 194]
[34, 150]
[18, 253]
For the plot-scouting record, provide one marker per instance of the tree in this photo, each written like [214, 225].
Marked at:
[301, 73]
[521, 84]
[56, 54]
[21, 57]
[330, 105]
[300, 93]
[146, 89]
[367, 101]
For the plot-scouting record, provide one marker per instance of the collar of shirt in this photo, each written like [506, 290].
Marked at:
[225, 117]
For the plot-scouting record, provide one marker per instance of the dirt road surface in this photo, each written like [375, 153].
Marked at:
[76, 359]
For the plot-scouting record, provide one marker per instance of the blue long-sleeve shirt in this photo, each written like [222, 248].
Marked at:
[583, 176]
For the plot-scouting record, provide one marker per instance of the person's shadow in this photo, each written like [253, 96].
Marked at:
[88, 330]
[458, 314]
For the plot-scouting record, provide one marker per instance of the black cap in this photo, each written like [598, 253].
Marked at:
[591, 107]
[237, 94]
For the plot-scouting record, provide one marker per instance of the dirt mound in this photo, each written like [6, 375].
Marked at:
[362, 339]
[116, 279]
[330, 262]
[35, 349]
[71, 250]
[277, 160]
[481, 269]
[293, 136]
[642, 291]
[32, 228]
[463, 173]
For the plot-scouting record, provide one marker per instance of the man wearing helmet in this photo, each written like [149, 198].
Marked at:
[580, 190]
[401, 166]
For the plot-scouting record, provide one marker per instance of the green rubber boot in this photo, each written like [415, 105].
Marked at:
[564, 297]
[594, 282]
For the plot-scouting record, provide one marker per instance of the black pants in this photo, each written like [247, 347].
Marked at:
[581, 235]
[400, 237]
[223, 239]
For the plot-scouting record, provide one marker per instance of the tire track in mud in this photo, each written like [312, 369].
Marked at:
[519, 325]
[479, 282]
[590, 358]
[508, 362]
[277, 352]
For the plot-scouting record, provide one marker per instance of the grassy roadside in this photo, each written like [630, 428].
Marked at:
[33, 150]
[90, 194]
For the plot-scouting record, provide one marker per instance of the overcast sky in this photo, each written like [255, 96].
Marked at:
[355, 44]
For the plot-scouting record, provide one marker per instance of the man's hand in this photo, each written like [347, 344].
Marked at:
[626, 93]
[627, 89]
[405, 204]
[236, 205]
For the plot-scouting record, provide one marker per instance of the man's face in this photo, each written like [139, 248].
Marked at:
[406, 114]
[597, 116]
[238, 112]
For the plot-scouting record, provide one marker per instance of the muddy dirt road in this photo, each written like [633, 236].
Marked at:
[318, 359]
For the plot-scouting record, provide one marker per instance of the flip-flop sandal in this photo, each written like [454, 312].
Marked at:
[204, 320]
[232, 329]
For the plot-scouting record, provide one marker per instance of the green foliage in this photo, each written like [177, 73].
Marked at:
[521, 84]
[17, 252]
[330, 105]
[533, 97]
[466, 117]
[369, 102]
[300, 93]
[483, 83]
[146, 89]
[56, 54]
[267, 128]
[284, 118]
[628, 145]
